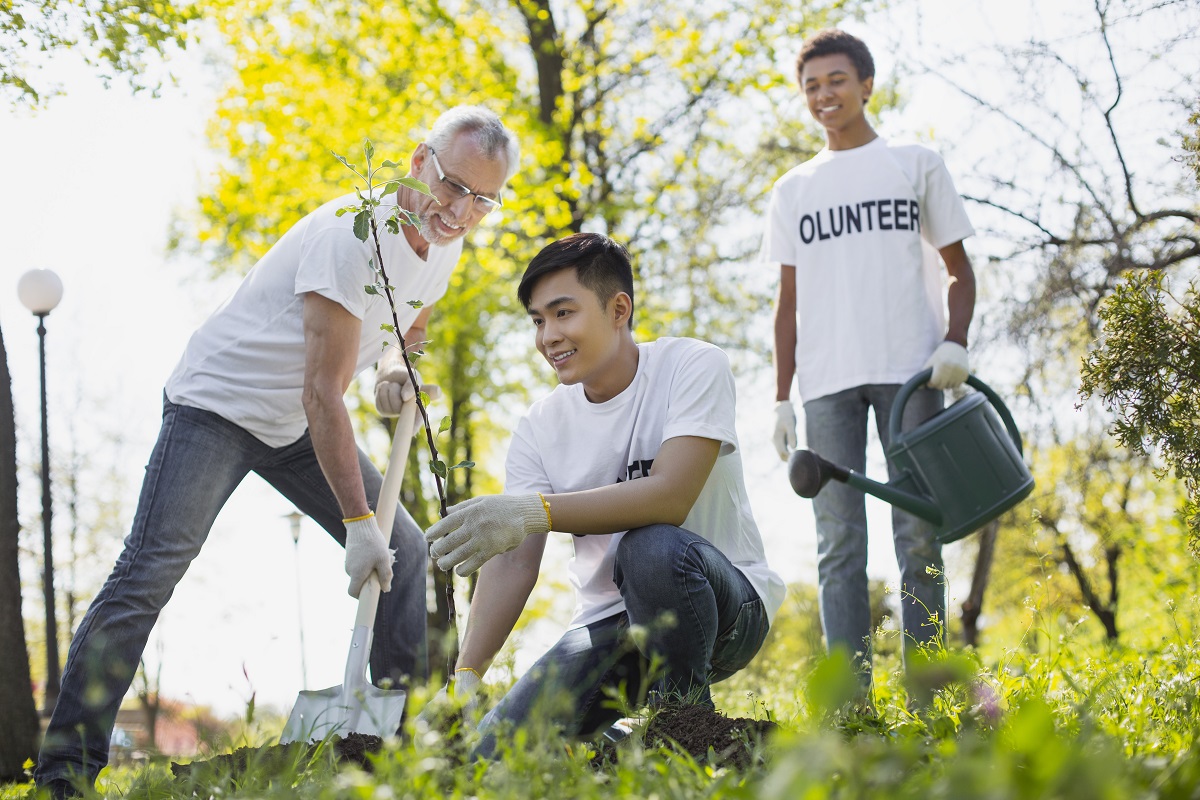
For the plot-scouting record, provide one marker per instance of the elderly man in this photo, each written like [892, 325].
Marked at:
[260, 389]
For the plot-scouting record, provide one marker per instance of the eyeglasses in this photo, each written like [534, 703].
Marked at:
[482, 203]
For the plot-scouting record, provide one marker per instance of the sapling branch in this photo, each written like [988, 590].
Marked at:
[365, 224]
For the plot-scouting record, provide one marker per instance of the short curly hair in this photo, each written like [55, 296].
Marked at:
[830, 41]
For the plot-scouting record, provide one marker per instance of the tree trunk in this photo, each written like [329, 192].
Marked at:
[1106, 613]
[973, 605]
[18, 712]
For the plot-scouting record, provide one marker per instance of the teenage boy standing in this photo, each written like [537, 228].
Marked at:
[634, 454]
[857, 231]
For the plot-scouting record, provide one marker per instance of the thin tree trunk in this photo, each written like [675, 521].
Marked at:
[973, 605]
[1107, 614]
[18, 712]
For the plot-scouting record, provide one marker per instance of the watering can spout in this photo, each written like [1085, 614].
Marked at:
[808, 472]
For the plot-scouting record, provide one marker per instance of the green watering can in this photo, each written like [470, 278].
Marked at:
[959, 469]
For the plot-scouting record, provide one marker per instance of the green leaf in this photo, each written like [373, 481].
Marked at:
[833, 683]
[413, 183]
[345, 163]
[415, 303]
[347, 209]
[463, 465]
[371, 289]
[391, 186]
[362, 225]
[368, 149]
[392, 225]
[387, 326]
[438, 467]
[424, 398]
[389, 164]
[445, 426]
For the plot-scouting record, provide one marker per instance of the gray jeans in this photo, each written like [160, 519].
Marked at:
[836, 427]
[198, 461]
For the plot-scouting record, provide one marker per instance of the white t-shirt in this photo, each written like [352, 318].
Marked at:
[862, 228]
[246, 362]
[683, 387]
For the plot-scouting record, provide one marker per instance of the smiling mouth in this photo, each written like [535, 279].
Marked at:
[558, 359]
[827, 109]
[449, 224]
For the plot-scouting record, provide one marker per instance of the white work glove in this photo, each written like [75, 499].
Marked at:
[367, 552]
[461, 693]
[785, 429]
[950, 367]
[477, 529]
[393, 389]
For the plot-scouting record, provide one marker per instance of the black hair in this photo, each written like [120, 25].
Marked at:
[829, 41]
[600, 263]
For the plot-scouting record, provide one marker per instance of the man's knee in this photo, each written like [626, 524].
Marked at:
[643, 553]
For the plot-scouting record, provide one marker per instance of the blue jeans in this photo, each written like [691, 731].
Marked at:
[836, 427]
[199, 460]
[702, 622]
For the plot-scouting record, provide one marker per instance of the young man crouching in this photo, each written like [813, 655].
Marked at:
[635, 455]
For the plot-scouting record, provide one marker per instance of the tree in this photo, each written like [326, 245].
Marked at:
[114, 35]
[1147, 371]
[661, 123]
[18, 714]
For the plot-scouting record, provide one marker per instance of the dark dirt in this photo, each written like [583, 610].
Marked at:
[699, 730]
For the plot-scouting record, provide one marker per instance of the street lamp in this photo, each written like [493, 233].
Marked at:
[294, 519]
[40, 291]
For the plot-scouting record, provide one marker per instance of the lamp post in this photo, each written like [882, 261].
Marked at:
[294, 519]
[40, 291]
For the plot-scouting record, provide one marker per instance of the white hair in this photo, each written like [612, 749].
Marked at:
[493, 138]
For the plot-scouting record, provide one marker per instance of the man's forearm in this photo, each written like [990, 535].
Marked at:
[504, 586]
[666, 495]
[333, 442]
[785, 333]
[960, 295]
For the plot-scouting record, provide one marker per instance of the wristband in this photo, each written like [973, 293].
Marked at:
[546, 505]
[359, 519]
[468, 669]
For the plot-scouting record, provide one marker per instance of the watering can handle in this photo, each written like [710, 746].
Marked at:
[921, 378]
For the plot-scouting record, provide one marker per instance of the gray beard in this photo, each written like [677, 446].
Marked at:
[425, 228]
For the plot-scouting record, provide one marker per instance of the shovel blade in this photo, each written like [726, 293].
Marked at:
[368, 710]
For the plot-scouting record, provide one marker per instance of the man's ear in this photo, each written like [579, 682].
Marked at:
[621, 308]
[868, 86]
[418, 158]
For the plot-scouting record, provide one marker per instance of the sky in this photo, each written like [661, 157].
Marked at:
[89, 186]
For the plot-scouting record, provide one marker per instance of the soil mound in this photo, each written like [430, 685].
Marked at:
[699, 731]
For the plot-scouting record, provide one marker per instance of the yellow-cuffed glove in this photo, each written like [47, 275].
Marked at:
[366, 552]
[478, 529]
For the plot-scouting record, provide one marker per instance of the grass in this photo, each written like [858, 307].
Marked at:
[1078, 719]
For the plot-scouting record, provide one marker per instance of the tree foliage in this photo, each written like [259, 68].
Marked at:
[659, 123]
[1146, 370]
[1075, 179]
[111, 35]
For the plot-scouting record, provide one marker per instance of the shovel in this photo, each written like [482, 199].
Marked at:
[356, 706]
